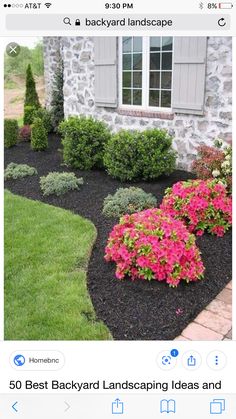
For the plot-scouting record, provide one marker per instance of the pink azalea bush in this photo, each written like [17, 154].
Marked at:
[202, 204]
[152, 245]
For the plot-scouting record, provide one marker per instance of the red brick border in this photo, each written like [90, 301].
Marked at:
[213, 323]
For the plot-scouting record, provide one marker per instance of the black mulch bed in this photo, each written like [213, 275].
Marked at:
[138, 310]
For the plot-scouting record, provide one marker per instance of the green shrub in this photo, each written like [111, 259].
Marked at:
[59, 183]
[29, 111]
[127, 201]
[39, 139]
[57, 103]
[16, 171]
[31, 95]
[133, 155]
[11, 132]
[83, 142]
[46, 117]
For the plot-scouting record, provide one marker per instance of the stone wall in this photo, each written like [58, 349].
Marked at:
[52, 52]
[188, 130]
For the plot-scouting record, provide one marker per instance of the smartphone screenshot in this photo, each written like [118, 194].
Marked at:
[116, 292]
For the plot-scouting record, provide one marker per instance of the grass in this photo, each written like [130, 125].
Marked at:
[20, 121]
[10, 84]
[46, 254]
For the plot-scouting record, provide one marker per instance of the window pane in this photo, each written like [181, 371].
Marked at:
[165, 99]
[167, 43]
[155, 61]
[127, 43]
[126, 79]
[166, 80]
[137, 44]
[155, 43]
[137, 97]
[154, 98]
[126, 97]
[137, 79]
[155, 80]
[137, 62]
[127, 62]
[167, 61]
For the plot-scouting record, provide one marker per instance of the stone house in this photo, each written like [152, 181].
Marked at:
[182, 84]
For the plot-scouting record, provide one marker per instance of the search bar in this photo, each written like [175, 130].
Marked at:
[180, 22]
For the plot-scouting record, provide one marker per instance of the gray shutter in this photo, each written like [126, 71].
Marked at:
[106, 71]
[189, 75]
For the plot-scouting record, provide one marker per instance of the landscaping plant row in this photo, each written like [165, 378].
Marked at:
[148, 242]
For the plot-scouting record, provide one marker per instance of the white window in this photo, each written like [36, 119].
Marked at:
[146, 72]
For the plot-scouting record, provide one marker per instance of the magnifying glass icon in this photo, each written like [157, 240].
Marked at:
[67, 21]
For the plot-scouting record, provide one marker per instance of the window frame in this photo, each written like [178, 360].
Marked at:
[145, 78]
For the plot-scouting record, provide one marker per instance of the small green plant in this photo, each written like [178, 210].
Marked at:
[11, 132]
[133, 155]
[46, 117]
[31, 95]
[127, 201]
[17, 171]
[59, 183]
[29, 111]
[83, 142]
[39, 139]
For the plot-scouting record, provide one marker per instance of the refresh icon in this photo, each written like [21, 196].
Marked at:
[222, 22]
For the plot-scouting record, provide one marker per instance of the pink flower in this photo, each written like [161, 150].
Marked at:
[200, 204]
[153, 245]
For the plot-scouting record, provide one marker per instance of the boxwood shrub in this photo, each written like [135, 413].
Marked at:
[133, 155]
[11, 132]
[83, 142]
[46, 117]
[127, 201]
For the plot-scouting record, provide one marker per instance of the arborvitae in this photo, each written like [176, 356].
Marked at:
[57, 103]
[39, 138]
[31, 96]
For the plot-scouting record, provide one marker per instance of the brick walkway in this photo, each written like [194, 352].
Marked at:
[213, 323]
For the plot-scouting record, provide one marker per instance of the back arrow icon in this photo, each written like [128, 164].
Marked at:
[67, 406]
[14, 407]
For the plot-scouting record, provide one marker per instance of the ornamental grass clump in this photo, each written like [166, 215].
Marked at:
[17, 171]
[59, 183]
[203, 205]
[127, 201]
[150, 245]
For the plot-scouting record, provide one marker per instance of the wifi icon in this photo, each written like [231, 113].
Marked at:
[48, 5]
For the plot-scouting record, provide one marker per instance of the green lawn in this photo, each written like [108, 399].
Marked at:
[46, 255]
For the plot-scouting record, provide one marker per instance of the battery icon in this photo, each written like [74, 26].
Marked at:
[225, 5]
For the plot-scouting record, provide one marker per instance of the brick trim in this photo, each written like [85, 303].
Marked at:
[146, 114]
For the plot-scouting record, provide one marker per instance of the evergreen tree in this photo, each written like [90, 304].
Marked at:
[39, 138]
[31, 96]
[57, 103]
